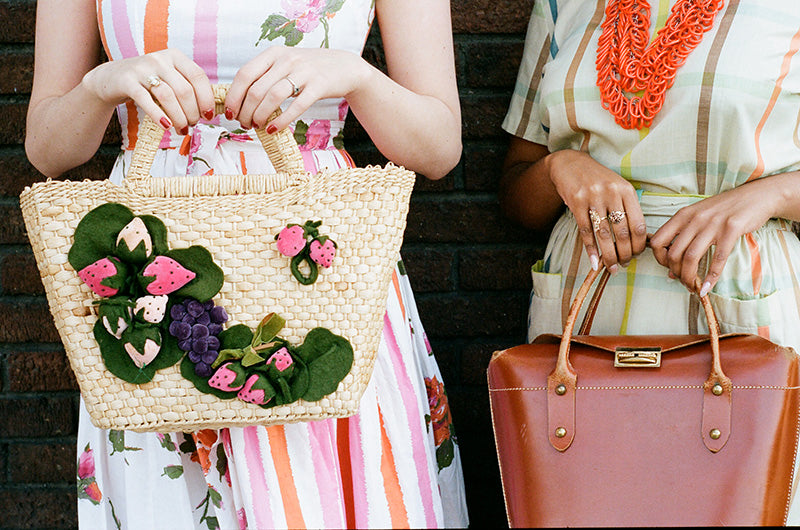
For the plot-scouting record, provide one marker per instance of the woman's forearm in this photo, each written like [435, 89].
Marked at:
[414, 130]
[65, 131]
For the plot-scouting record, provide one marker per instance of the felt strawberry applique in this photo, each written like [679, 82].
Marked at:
[125, 260]
[307, 248]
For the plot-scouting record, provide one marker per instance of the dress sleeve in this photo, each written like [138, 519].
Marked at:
[524, 117]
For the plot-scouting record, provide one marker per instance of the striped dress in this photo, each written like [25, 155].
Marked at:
[394, 464]
[732, 116]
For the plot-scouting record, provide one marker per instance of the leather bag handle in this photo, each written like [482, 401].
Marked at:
[281, 147]
[562, 382]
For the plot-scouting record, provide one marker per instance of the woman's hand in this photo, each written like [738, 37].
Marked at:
[720, 220]
[610, 221]
[171, 88]
[279, 73]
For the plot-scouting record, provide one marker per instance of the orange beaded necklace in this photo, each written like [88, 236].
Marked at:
[626, 64]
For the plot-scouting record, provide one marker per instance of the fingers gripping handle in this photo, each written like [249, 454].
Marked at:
[280, 146]
[562, 382]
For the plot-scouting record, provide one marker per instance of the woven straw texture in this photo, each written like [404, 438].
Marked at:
[236, 218]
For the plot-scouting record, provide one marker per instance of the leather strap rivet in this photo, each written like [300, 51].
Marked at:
[561, 390]
[717, 389]
[714, 434]
[561, 432]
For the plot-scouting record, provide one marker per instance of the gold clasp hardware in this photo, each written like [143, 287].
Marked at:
[637, 357]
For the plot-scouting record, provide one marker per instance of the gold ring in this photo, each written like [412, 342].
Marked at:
[596, 219]
[295, 88]
[616, 217]
[153, 81]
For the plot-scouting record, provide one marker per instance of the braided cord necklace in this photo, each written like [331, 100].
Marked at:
[628, 64]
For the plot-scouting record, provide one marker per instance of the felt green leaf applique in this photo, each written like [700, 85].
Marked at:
[209, 277]
[96, 234]
[329, 358]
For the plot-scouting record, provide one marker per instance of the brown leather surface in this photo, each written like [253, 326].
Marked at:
[638, 457]
[638, 449]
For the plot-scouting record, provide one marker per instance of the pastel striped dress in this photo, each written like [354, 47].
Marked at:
[732, 116]
[394, 464]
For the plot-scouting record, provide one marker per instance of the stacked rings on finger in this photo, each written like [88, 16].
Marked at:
[295, 88]
[153, 81]
[596, 219]
[616, 217]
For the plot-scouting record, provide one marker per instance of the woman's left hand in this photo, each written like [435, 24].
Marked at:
[279, 73]
[720, 220]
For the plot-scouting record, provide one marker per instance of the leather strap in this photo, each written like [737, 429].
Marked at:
[562, 381]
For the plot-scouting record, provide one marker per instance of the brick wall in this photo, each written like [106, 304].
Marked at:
[467, 264]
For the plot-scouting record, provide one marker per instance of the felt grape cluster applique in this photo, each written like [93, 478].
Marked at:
[304, 244]
[156, 306]
[126, 261]
[261, 368]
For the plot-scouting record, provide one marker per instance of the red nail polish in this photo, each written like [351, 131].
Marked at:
[209, 114]
[271, 129]
[165, 123]
[228, 113]
[185, 131]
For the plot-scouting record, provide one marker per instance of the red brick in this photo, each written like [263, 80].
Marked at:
[39, 371]
[42, 463]
[39, 508]
[26, 321]
[18, 172]
[37, 417]
[12, 229]
[12, 126]
[429, 270]
[483, 165]
[466, 316]
[468, 221]
[19, 274]
[497, 269]
[17, 20]
[491, 62]
[489, 16]
[483, 114]
[17, 68]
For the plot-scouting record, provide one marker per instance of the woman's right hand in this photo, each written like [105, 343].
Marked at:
[171, 88]
[606, 208]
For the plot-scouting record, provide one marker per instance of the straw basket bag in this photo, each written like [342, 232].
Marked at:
[236, 218]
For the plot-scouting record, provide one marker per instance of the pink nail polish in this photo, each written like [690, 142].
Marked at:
[209, 114]
[594, 261]
[228, 113]
[165, 123]
[705, 289]
[271, 129]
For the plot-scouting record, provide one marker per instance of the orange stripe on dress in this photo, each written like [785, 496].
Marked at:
[242, 163]
[391, 481]
[156, 36]
[396, 283]
[283, 468]
[785, 68]
[346, 470]
[755, 262]
[102, 27]
[133, 124]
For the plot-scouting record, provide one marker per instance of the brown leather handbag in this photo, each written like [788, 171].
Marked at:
[645, 430]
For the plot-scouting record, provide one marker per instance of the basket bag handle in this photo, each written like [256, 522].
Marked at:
[281, 147]
[562, 382]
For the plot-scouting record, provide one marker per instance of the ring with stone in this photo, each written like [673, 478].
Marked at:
[153, 81]
[616, 217]
[295, 88]
[596, 219]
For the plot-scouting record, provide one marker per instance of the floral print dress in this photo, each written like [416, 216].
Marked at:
[394, 464]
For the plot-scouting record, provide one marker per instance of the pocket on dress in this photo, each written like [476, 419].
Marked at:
[736, 315]
[544, 312]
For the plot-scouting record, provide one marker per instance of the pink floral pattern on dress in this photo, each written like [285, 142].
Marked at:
[300, 17]
[87, 484]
